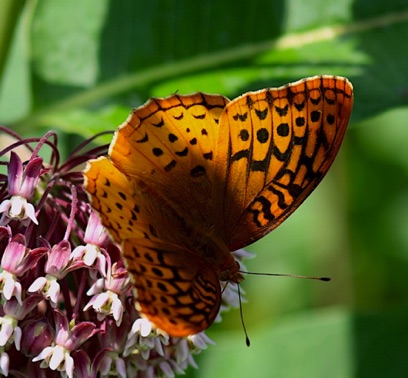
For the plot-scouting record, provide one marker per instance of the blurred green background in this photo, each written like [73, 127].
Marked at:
[80, 66]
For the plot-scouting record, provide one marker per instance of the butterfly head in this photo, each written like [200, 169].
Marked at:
[231, 273]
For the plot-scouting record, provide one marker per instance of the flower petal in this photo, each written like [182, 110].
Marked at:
[4, 364]
[30, 212]
[14, 253]
[31, 176]
[69, 365]
[17, 337]
[57, 357]
[37, 285]
[79, 334]
[45, 353]
[15, 173]
[6, 331]
[58, 258]
[120, 367]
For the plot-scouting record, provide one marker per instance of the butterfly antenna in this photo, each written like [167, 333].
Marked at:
[224, 287]
[287, 275]
[247, 341]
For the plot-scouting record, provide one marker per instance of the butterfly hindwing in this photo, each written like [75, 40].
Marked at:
[176, 289]
[112, 195]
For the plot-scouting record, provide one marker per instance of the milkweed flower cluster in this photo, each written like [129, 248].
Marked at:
[67, 306]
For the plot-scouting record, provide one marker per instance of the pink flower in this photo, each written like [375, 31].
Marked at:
[22, 183]
[108, 293]
[14, 312]
[37, 335]
[144, 338]
[58, 357]
[57, 267]
[96, 239]
[16, 261]
[113, 338]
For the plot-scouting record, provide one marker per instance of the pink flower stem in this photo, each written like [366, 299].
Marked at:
[67, 297]
[53, 144]
[80, 292]
[74, 205]
[38, 209]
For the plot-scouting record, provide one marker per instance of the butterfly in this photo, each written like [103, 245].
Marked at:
[190, 178]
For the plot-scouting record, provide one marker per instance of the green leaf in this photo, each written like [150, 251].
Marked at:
[63, 54]
[331, 343]
[88, 123]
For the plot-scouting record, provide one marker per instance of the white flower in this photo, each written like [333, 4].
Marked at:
[9, 286]
[142, 326]
[113, 359]
[200, 340]
[106, 303]
[9, 331]
[57, 358]
[48, 286]
[90, 254]
[17, 208]
[144, 338]
[108, 293]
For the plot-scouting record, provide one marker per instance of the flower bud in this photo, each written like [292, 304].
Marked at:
[37, 335]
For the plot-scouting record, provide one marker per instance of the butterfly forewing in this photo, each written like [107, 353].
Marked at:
[169, 144]
[275, 146]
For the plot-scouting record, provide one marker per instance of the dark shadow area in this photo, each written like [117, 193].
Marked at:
[384, 82]
[138, 37]
[381, 344]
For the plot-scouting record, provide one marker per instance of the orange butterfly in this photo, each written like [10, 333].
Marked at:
[191, 178]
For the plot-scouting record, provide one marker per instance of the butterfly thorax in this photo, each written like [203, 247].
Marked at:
[232, 273]
[216, 253]
[226, 265]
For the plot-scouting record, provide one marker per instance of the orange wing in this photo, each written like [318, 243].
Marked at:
[169, 145]
[176, 289]
[274, 147]
[111, 195]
